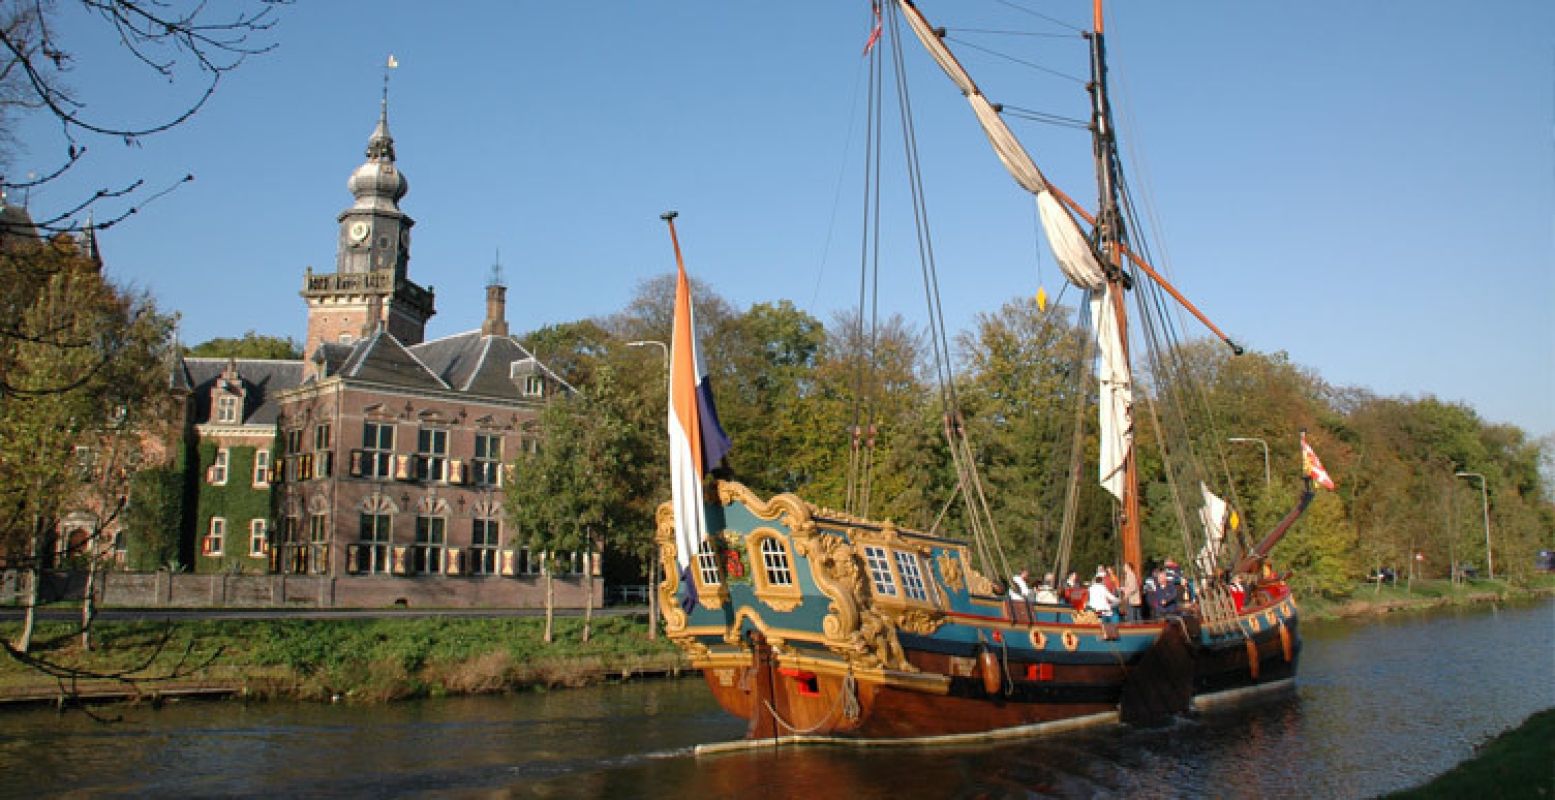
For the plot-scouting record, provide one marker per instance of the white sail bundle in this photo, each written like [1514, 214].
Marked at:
[1213, 515]
[1074, 254]
[1117, 392]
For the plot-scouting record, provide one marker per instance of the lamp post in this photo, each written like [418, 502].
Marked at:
[653, 561]
[1265, 446]
[664, 348]
[1484, 504]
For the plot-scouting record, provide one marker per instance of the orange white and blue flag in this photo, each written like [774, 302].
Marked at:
[1311, 467]
[697, 441]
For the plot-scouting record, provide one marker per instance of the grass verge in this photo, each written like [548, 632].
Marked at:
[1518, 763]
[360, 659]
[1371, 599]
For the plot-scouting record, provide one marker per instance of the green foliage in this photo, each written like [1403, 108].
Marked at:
[81, 365]
[238, 502]
[249, 345]
[787, 389]
[154, 520]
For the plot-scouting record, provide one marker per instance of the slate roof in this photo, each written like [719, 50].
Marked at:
[479, 364]
[381, 358]
[262, 378]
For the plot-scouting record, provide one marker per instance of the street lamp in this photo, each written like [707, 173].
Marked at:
[1265, 446]
[653, 562]
[1484, 504]
[656, 343]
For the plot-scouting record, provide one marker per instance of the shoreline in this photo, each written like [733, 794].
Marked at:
[399, 659]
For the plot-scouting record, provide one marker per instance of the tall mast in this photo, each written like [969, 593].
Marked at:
[1109, 235]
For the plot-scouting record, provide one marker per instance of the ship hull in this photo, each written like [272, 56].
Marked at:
[809, 623]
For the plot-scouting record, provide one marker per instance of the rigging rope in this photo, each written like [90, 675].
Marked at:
[979, 515]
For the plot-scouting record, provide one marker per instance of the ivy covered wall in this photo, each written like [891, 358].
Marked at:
[238, 502]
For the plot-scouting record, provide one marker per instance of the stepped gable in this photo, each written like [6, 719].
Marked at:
[262, 378]
[381, 358]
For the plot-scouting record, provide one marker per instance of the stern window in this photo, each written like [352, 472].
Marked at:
[774, 559]
[912, 576]
[880, 571]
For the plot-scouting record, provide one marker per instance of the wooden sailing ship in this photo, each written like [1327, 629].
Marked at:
[812, 622]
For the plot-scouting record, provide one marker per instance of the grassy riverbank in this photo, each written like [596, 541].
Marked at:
[355, 660]
[1372, 600]
[1517, 763]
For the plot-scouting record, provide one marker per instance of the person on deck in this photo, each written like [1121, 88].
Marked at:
[1101, 601]
[1133, 601]
[1046, 593]
[1020, 588]
[1074, 593]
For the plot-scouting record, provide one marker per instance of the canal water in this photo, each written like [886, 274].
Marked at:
[1379, 705]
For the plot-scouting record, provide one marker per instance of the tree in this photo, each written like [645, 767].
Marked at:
[82, 360]
[249, 345]
[582, 487]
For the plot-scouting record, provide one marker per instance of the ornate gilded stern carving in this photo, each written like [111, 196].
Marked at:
[950, 570]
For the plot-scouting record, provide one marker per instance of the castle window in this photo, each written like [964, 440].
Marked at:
[378, 450]
[488, 459]
[321, 437]
[261, 467]
[218, 472]
[431, 539]
[529, 563]
[227, 408]
[214, 538]
[86, 463]
[484, 540]
[258, 537]
[377, 534]
[318, 543]
[432, 455]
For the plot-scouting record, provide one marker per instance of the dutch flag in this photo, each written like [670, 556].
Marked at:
[697, 442]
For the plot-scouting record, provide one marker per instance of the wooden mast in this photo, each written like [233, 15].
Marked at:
[1109, 231]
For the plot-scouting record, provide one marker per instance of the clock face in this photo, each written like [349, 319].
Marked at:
[358, 231]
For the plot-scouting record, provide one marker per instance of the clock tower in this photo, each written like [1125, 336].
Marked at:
[371, 287]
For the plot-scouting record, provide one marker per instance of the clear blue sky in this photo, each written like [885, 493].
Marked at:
[1366, 185]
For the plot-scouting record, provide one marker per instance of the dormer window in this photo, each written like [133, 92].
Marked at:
[534, 386]
[227, 409]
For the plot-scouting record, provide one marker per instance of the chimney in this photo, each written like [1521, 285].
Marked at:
[496, 323]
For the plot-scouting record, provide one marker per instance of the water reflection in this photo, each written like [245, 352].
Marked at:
[1379, 706]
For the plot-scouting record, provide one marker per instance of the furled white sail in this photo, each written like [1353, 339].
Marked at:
[1074, 254]
[1117, 392]
[1213, 515]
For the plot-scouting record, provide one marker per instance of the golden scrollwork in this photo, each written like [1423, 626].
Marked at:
[875, 644]
[979, 584]
[1086, 617]
[674, 618]
[950, 571]
[836, 573]
[917, 620]
[786, 508]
